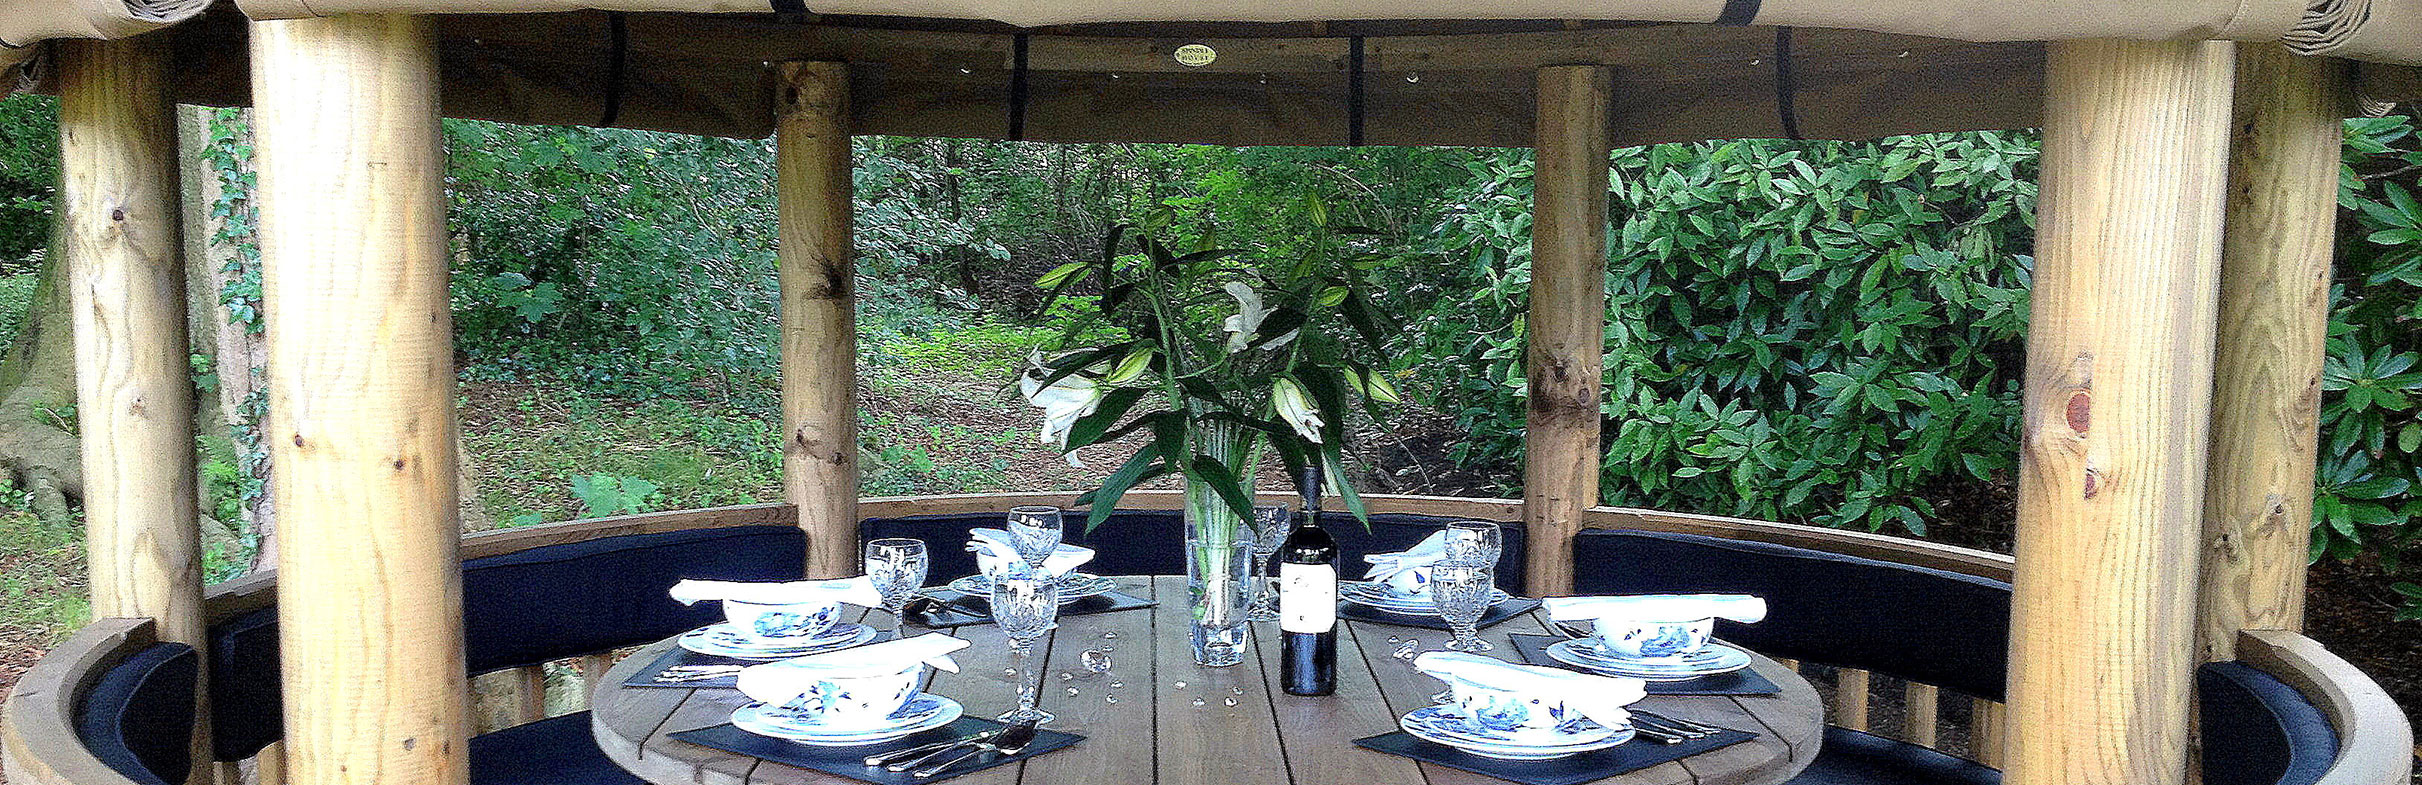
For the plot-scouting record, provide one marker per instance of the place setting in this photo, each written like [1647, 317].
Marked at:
[1539, 725]
[1663, 639]
[817, 692]
[1400, 588]
[1032, 537]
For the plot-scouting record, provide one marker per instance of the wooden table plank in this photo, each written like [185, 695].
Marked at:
[1118, 741]
[1214, 743]
[1318, 733]
[622, 719]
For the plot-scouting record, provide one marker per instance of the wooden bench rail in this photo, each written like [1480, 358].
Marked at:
[2375, 741]
[38, 741]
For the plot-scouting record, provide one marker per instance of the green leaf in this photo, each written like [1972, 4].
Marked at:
[1087, 430]
[1223, 481]
[1144, 464]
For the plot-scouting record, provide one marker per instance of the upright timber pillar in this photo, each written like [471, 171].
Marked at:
[2274, 313]
[1567, 316]
[819, 318]
[2118, 384]
[361, 385]
[126, 285]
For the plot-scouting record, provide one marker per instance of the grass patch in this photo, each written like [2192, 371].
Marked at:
[42, 576]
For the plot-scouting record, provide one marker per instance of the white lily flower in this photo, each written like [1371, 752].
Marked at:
[1063, 403]
[1295, 406]
[1249, 315]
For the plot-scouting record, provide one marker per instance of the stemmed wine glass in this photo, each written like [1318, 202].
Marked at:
[897, 565]
[1269, 526]
[1026, 603]
[1473, 544]
[1034, 530]
[1461, 593]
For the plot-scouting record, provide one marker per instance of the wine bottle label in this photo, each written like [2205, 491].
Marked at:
[1307, 597]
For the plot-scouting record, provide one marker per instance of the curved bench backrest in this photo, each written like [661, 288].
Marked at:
[1924, 625]
[138, 716]
[2257, 730]
[1151, 542]
[525, 608]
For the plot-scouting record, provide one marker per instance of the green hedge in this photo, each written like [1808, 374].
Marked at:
[1832, 332]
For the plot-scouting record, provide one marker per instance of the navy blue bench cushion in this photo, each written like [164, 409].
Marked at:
[1150, 542]
[553, 751]
[246, 712]
[1921, 624]
[2260, 730]
[138, 716]
[558, 601]
[1853, 758]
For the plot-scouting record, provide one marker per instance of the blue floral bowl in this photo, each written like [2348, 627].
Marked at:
[1521, 719]
[780, 622]
[1650, 640]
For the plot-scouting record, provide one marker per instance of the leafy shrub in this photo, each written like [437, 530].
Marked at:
[2370, 495]
[1815, 331]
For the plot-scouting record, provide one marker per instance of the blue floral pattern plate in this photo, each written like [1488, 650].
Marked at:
[924, 712]
[720, 640]
[1372, 594]
[1073, 587]
[1716, 658]
[1447, 725]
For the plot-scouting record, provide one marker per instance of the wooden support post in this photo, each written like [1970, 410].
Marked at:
[125, 276]
[2118, 387]
[1567, 316]
[2274, 313]
[361, 381]
[819, 319]
[1922, 704]
[1850, 687]
[1986, 737]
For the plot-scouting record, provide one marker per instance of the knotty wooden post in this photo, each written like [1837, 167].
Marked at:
[1567, 316]
[819, 319]
[126, 284]
[2118, 386]
[361, 382]
[2274, 313]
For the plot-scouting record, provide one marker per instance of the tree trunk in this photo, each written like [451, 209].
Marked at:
[37, 400]
[214, 260]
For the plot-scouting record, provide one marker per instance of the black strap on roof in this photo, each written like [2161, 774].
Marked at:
[1738, 12]
[1354, 91]
[1786, 83]
[1017, 89]
[618, 60]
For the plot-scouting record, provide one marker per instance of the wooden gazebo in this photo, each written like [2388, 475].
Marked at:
[2185, 228]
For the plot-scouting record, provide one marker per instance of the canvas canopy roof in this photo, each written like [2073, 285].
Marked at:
[1282, 72]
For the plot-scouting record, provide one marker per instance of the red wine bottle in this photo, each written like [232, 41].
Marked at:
[1307, 599]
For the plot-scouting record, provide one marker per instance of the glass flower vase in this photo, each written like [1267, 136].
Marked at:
[1218, 582]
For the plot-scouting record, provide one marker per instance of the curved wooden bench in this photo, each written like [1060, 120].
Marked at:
[39, 744]
[2375, 741]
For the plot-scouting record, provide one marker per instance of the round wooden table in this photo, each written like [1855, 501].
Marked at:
[1178, 723]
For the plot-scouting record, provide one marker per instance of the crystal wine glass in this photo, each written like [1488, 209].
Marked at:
[1473, 544]
[1461, 593]
[1269, 526]
[1027, 604]
[897, 565]
[1034, 530]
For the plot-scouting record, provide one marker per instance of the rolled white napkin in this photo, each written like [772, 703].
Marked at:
[995, 549]
[1744, 608]
[859, 591]
[1396, 569]
[1601, 698]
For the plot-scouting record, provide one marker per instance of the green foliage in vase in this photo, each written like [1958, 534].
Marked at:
[1225, 350]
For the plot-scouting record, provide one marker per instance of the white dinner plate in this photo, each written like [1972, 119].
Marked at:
[1716, 658]
[720, 640]
[924, 712]
[1444, 725]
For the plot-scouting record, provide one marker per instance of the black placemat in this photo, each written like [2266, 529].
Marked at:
[1630, 756]
[646, 677]
[851, 761]
[1504, 610]
[1746, 681]
[962, 609]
